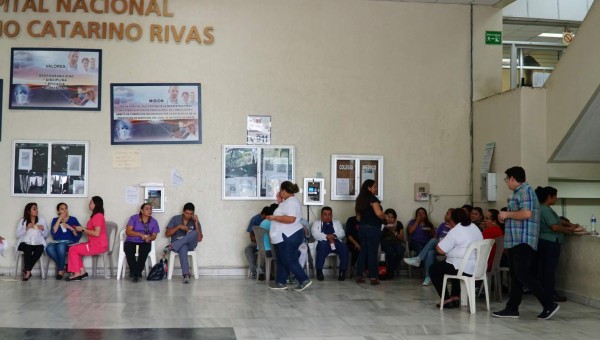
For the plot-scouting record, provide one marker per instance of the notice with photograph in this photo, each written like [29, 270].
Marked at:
[55, 79]
[259, 130]
[156, 113]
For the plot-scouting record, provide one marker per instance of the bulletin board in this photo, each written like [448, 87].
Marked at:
[348, 172]
[253, 172]
[50, 168]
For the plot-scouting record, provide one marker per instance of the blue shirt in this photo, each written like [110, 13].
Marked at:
[255, 220]
[266, 224]
[523, 231]
[67, 235]
[177, 220]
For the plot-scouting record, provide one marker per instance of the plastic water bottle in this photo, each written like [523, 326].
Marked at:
[593, 224]
[332, 244]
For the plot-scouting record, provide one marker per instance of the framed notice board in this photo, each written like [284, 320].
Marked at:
[348, 172]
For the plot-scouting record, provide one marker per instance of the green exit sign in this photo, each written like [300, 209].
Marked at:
[493, 38]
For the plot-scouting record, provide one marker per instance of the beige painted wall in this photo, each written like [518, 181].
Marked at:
[573, 82]
[487, 59]
[337, 77]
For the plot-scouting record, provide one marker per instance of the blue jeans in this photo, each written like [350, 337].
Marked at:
[428, 254]
[58, 253]
[369, 246]
[394, 252]
[287, 258]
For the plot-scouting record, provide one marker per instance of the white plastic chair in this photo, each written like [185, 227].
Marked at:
[122, 262]
[262, 254]
[494, 274]
[19, 254]
[467, 284]
[312, 247]
[193, 263]
[111, 233]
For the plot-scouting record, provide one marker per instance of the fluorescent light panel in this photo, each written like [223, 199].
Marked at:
[551, 35]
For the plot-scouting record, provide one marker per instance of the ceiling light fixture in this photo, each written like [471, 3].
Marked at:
[551, 35]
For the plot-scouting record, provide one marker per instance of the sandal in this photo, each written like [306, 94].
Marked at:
[374, 282]
[24, 277]
[360, 279]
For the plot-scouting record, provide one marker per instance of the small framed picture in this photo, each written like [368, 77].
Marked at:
[156, 197]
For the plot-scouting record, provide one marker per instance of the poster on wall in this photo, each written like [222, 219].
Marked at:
[147, 113]
[55, 79]
[258, 130]
[1, 95]
[349, 172]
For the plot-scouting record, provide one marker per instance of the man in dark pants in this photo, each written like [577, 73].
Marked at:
[522, 228]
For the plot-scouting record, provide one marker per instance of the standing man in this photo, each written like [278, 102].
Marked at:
[522, 229]
[185, 232]
[328, 234]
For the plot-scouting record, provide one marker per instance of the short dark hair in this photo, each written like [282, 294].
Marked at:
[326, 208]
[517, 172]
[189, 206]
[265, 210]
[494, 214]
[468, 207]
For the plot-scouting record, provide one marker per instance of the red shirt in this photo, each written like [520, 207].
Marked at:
[492, 232]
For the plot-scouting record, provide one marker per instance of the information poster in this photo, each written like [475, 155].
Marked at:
[345, 177]
[156, 113]
[55, 79]
[368, 170]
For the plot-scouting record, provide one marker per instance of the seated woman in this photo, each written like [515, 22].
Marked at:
[420, 230]
[352, 241]
[392, 242]
[477, 217]
[31, 238]
[491, 230]
[97, 240]
[141, 230]
[428, 254]
[454, 246]
[64, 234]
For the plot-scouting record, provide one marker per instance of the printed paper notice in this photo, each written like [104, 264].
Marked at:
[126, 159]
[132, 195]
[342, 186]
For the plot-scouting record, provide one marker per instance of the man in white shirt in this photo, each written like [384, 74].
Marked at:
[328, 235]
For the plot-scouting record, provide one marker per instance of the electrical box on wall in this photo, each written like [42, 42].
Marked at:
[421, 192]
[314, 191]
[488, 187]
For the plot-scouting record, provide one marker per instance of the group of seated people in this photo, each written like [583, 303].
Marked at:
[67, 252]
[330, 236]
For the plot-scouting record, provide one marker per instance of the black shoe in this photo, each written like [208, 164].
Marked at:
[526, 290]
[59, 277]
[449, 305]
[262, 277]
[76, 278]
[136, 279]
[84, 276]
[342, 275]
[505, 313]
[320, 275]
[547, 313]
[559, 298]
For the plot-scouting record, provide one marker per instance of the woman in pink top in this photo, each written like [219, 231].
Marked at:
[97, 240]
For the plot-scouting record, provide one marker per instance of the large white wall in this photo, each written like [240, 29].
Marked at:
[337, 77]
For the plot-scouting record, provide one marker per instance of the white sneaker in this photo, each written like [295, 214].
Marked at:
[427, 281]
[413, 261]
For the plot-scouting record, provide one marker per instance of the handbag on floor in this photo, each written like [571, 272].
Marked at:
[159, 270]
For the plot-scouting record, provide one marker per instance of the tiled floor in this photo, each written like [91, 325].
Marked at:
[224, 307]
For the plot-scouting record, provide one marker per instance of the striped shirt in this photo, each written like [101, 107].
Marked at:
[523, 231]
